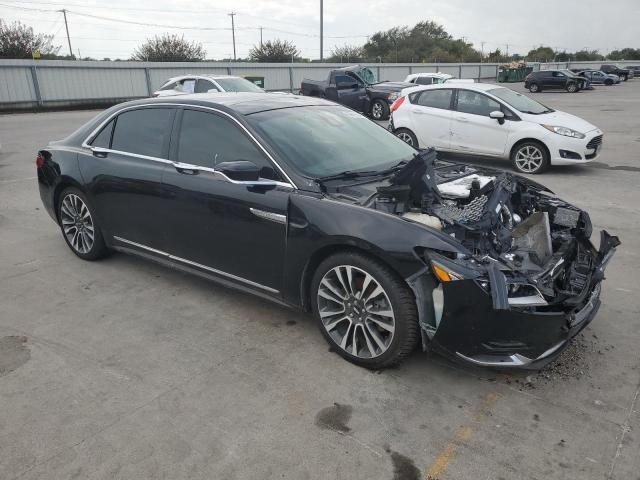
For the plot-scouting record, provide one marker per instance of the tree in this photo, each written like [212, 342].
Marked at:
[276, 51]
[19, 41]
[347, 53]
[169, 48]
[426, 41]
[587, 55]
[625, 54]
[541, 54]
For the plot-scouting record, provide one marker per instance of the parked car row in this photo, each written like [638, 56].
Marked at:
[309, 204]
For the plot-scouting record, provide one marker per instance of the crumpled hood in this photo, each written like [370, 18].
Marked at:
[390, 86]
[562, 119]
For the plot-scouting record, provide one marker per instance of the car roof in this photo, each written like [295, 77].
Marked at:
[479, 87]
[430, 74]
[244, 103]
[201, 75]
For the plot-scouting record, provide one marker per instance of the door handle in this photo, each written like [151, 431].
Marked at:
[417, 111]
[186, 168]
[462, 119]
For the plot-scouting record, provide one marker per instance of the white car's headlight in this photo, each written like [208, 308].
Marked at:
[567, 132]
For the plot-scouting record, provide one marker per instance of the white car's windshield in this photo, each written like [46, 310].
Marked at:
[520, 102]
[322, 141]
[238, 85]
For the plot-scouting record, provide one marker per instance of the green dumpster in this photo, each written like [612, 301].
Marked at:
[259, 81]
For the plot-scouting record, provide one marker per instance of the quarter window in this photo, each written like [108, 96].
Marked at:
[103, 139]
[143, 131]
[207, 139]
[440, 98]
[424, 80]
[476, 103]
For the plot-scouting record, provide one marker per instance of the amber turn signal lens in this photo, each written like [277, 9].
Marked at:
[441, 274]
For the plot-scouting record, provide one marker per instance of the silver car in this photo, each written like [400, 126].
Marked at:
[187, 84]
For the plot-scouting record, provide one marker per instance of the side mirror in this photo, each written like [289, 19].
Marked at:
[240, 170]
[99, 152]
[497, 115]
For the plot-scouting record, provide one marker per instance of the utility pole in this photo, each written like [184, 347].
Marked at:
[260, 36]
[482, 51]
[507, 49]
[64, 13]
[233, 34]
[321, 28]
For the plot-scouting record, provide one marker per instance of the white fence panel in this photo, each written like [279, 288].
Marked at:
[58, 84]
[16, 85]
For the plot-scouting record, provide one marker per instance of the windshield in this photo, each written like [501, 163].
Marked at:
[367, 75]
[518, 101]
[321, 141]
[238, 85]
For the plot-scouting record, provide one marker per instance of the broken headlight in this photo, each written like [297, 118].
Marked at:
[565, 131]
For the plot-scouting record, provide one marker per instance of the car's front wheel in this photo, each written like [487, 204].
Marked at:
[379, 110]
[79, 227]
[407, 136]
[530, 157]
[365, 311]
[572, 87]
[534, 88]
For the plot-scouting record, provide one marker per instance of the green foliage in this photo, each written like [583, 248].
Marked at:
[278, 51]
[347, 53]
[625, 54]
[19, 41]
[587, 55]
[169, 48]
[541, 54]
[427, 41]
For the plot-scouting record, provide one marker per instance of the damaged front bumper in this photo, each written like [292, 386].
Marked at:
[477, 324]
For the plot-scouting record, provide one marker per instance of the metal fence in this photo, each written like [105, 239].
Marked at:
[38, 84]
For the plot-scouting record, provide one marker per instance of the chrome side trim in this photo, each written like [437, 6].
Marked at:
[515, 360]
[195, 264]
[274, 217]
[85, 143]
[249, 183]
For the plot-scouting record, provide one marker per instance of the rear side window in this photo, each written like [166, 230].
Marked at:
[103, 139]
[476, 103]
[435, 98]
[170, 86]
[207, 139]
[143, 132]
[203, 86]
[424, 80]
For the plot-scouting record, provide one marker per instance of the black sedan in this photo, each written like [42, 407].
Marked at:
[312, 205]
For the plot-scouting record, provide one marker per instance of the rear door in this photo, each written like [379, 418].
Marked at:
[124, 174]
[472, 130]
[430, 114]
[234, 230]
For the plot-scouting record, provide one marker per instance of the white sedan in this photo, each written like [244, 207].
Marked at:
[187, 84]
[485, 119]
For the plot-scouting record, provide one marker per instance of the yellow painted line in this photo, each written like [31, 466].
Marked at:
[448, 453]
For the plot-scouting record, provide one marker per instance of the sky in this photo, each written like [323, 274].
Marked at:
[521, 24]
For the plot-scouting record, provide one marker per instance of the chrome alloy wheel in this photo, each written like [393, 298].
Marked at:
[405, 137]
[376, 110]
[529, 158]
[356, 311]
[77, 223]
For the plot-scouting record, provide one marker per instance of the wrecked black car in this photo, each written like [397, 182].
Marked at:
[311, 205]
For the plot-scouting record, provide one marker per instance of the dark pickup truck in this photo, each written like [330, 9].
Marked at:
[623, 73]
[356, 87]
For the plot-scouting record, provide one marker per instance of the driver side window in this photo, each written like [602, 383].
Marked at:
[476, 103]
[206, 139]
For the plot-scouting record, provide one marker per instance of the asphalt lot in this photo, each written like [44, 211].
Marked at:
[125, 369]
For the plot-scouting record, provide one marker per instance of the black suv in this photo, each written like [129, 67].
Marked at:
[555, 80]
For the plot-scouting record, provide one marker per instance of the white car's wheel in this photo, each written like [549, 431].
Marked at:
[530, 157]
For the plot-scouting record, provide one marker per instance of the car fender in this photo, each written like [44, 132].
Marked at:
[529, 132]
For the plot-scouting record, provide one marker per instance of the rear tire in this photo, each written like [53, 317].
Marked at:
[530, 157]
[407, 136]
[79, 226]
[534, 88]
[365, 311]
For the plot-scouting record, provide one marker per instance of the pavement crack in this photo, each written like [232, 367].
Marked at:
[625, 428]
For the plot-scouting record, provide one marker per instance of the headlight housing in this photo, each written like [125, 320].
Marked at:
[393, 96]
[565, 131]
[444, 273]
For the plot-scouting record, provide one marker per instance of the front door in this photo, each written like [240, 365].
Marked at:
[472, 130]
[213, 223]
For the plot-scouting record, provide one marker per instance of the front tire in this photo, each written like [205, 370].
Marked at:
[407, 136]
[379, 110]
[534, 88]
[364, 310]
[78, 225]
[530, 157]
[572, 88]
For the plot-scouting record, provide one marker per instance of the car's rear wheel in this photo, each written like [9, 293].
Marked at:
[365, 311]
[572, 88]
[407, 136]
[379, 110]
[534, 88]
[530, 157]
[78, 225]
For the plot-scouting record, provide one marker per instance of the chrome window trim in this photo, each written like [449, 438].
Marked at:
[196, 264]
[85, 143]
[266, 183]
